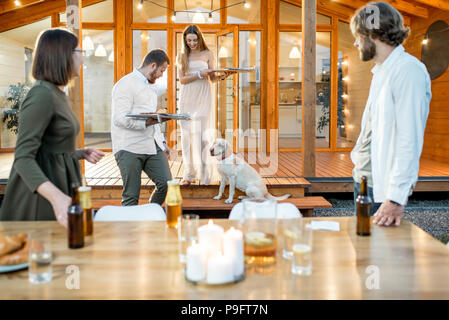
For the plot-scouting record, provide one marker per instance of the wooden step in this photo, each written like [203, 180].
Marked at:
[304, 204]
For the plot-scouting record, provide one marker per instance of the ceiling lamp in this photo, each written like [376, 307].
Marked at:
[294, 53]
[198, 18]
[111, 56]
[101, 51]
[173, 17]
[88, 44]
[223, 53]
[210, 17]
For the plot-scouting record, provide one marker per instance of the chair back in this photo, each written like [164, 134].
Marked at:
[285, 210]
[144, 212]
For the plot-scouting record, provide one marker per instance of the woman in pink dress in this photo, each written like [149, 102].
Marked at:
[196, 71]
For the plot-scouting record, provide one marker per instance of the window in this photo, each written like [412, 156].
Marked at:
[16, 47]
[150, 12]
[239, 14]
[98, 80]
[100, 12]
[290, 89]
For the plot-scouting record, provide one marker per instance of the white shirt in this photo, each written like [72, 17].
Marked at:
[134, 94]
[399, 97]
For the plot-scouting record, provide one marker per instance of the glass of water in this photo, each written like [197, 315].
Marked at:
[302, 252]
[39, 256]
[187, 233]
[291, 228]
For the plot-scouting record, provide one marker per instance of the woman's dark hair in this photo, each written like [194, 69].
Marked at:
[53, 56]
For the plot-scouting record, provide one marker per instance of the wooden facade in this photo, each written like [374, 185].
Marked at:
[417, 14]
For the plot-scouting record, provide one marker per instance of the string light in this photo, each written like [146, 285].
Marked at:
[17, 3]
[425, 41]
[345, 79]
[196, 18]
[344, 96]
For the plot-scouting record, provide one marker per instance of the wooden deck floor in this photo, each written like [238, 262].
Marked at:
[286, 169]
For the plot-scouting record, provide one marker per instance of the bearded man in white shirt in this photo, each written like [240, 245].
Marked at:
[139, 145]
[392, 133]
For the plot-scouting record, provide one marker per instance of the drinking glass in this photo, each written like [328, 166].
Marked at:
[291, 228]
[259, 227]
[302, 252]
[187, 233]
[39, 256]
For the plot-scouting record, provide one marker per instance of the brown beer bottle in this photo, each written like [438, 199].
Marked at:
[75, 219]
[364, 207]
[173, 202]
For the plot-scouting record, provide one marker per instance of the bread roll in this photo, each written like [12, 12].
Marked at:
[18, 257]
[9, 244]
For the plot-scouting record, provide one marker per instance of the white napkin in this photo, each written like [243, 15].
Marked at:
[324, 225]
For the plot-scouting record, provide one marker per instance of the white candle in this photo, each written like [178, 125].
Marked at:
[233, 247]
[209, 237]
[219, 270]
[194, 263]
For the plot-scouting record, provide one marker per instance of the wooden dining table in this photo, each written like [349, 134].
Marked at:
[140, 260]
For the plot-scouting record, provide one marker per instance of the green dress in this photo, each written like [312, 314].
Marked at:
[45, 151]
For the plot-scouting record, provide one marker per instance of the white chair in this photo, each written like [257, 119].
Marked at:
[144, 212]
[285, 210]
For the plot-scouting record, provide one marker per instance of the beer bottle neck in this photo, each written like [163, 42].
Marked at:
[364, 187]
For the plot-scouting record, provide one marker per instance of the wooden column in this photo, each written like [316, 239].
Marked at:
[333, 115]
[74, 23]
[121, 38]
[271, 59]
[308, 86]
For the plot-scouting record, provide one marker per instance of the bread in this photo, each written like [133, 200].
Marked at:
[17, 257]
[10, 244]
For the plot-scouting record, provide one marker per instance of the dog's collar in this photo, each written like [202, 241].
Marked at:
[224, 157]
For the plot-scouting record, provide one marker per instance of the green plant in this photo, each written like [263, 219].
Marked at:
[14, 97]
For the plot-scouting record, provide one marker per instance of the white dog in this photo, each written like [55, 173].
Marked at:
[239, 174]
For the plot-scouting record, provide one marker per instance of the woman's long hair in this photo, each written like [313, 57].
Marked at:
[185, 52]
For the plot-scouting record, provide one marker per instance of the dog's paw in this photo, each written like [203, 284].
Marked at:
[228, 201]
[217, 197]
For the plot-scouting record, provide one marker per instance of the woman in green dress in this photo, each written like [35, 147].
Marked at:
[45, 159]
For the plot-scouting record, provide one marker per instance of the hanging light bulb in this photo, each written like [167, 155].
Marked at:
[210, 17]
[198, 18]
[88, 43]
[173, 17]
[223, 52]
[111, 57]
[101, 51]
[294, 53]
[17, 3]
[246, 4]
[425, 41]
[139, 6]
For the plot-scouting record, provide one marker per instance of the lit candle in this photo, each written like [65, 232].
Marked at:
[233, 247]
[219, 270]
[209, 237]
[194, 265]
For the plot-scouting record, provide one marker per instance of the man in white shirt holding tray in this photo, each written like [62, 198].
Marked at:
[392, 133]
[138, 144]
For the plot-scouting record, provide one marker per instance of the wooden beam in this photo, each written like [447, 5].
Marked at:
[9, 5]
[308, 87]
[328, 7]
[74, 23]
[121, 38]
[403, 6]
[440, 4]
[35, 12]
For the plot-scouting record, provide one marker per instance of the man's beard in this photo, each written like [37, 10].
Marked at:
[152, 77]
[367, 49]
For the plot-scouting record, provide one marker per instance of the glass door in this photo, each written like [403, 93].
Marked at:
[227, 91]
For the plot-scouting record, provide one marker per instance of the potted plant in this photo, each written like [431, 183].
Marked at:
[14, 97]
